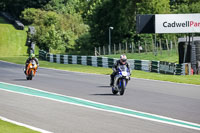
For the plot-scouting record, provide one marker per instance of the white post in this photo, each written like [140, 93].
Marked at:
[104, 51]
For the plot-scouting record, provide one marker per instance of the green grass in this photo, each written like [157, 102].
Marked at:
[189, 79]
[6, 127]
[172, 57]
[12, 41]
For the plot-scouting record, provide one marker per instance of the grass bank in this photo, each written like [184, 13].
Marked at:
[6, 127]
[189, 79]
[171, 56]
[12, 41]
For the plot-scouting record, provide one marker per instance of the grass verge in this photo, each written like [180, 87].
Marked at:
[189, 79]
[12, 41]
[6, 127]
[169, 56]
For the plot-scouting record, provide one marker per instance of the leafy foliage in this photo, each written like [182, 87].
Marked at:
[77, 26]
[55, 32]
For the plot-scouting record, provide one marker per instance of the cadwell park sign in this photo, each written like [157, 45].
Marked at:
[177, 23]
[168, 23]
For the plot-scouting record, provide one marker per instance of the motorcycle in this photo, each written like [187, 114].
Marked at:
[31, 70]
[121, 80]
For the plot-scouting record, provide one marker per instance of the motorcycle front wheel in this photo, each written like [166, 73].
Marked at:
[31, 76]
[123, 87]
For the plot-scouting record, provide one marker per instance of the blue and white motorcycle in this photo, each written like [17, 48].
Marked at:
[121, 80]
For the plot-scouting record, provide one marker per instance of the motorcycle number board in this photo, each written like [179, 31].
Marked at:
[177, 23]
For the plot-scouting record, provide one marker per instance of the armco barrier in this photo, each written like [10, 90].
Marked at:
[155, 66]
[144, 65]
[167, 68]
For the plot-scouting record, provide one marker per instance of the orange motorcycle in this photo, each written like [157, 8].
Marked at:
[31, 70]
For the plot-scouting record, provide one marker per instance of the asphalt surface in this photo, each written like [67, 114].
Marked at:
[178, 101]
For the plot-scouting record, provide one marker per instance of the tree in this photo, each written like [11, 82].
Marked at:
[153, 7]
[17, 6]
[185, 6]
[55, 32]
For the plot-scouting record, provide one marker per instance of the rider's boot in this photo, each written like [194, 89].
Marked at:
[111, 81]
[24, 71]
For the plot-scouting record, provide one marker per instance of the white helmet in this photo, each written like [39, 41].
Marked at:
[123, 59]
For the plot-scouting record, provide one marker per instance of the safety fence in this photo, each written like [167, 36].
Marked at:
[97, 61]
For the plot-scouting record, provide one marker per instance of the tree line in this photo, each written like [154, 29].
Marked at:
[78, 26]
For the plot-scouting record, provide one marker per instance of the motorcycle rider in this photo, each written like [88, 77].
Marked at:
[32, 57]
[121, 61]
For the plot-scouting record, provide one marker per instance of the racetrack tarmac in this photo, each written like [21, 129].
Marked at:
[178, 101]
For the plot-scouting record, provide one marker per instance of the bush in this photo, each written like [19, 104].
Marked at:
[28, 15]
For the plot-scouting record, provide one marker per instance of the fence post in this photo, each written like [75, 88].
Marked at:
[152, 47]
[167, 47]
[176, 47]
[160, 46]
[156, 49]
[95, 51]
[171, 45]
[114, 49]
[133, 46]
[132, 50]
[104, 51]
[126, 48]
[120, 48]
[99, 50]
[139, 47]
[145, 43]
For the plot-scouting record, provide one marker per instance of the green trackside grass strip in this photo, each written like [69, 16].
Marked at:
[94, 105]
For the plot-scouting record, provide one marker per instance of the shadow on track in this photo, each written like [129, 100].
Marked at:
[19, 79]
[105, 94]
[104, 86]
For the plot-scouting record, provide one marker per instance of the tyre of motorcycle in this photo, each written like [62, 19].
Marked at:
[114, 91]
[31, 75]
[123, 86]
[27, 76]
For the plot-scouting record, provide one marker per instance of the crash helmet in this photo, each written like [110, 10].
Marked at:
[123, 59]
[32, 56]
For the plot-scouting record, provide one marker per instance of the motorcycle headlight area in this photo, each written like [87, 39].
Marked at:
[32, 66]
[124, 73]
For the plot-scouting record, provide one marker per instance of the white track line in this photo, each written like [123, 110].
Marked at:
[24, 125]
